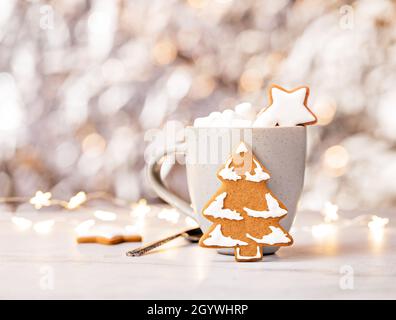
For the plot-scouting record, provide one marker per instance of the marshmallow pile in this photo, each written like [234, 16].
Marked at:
[242, 117]
[287, 109]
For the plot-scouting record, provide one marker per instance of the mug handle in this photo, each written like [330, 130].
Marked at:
[154, 177]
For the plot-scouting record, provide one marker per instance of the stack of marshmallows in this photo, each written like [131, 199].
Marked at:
[243, 116]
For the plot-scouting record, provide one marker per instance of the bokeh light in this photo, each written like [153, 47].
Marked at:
[79, 92]
[335, 160]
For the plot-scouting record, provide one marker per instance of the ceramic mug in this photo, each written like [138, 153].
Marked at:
[281, 150]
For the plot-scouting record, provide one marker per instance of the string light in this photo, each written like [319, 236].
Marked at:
[139, 210]
[41, 199]
[77, 200]
[44, 199]
[81, 199]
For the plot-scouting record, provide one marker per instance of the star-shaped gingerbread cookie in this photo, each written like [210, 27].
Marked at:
[287, 108]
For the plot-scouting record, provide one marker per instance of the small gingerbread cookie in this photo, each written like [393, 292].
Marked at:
[107, 234]
[287, 108]
[244, 212]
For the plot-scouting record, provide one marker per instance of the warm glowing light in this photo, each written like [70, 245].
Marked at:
[101, 24]
[84, 226]
[41, 199]
[179, 83]
[377, 224]
[139, 212]
[164, 52]
[198, 4]
[94, 143]
[140, 209]
[377, 229]
[251, 80]
[171, 215]
[77, 200]
[335, 160]
[322, 230]
[336, 157]
[191, 222]
[132, 229]
[11, 108]
[325, 111]
[105, 215]
[203, 86]
[21, 223]
[330, 212]
[44, 227]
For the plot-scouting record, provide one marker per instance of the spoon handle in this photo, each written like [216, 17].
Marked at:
[150, 246]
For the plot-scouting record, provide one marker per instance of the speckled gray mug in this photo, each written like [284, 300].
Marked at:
[281, 150]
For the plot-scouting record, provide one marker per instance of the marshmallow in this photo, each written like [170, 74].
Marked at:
[245, 110]
[229, 114]
[242, 117]
[215, 115]
[200, 122]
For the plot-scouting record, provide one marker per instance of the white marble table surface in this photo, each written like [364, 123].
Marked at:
[52, 265]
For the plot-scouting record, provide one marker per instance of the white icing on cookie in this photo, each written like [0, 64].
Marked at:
[239, 257]
[287, 110]
[241, 148]
[275, 237]
[259, 174]
[218, 239]
[216, 210]
[274, 210]
[228, 173]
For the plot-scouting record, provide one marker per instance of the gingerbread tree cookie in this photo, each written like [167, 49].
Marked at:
[244, 212]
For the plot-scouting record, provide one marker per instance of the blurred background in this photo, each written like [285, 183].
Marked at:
[81, 82]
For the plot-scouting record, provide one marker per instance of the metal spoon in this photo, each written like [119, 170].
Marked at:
[192, 235]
